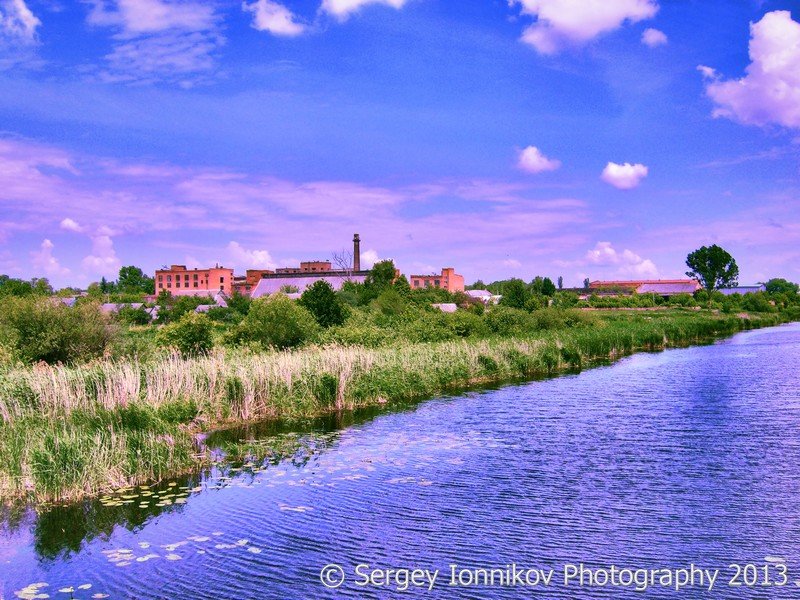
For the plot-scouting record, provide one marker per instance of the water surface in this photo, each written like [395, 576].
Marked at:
[658, 461]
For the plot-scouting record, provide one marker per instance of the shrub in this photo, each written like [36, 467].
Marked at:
[279, 322]
[321, 301]
[506, 321]
[757, 303]
[191, 335]
[39, 329]
[466, 324]
[133, 316]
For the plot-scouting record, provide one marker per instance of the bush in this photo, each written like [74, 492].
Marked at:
[191, 335]
[466, 324]
[279, 322]
[506, 321]
[757, 303]
[39, 329]
[133, 316]
[321, 301]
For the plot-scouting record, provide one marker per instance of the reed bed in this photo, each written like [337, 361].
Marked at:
[72, 431]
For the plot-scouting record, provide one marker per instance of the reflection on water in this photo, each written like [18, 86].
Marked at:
[659, 460]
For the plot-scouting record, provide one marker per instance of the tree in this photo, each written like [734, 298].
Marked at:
[191, 335]
[543, 286]
[515, 293]
[560, 282]
[133, 280]
[781, 286]
[380, 278]
[279, 322]
[321, 301]
[586, 283]
[713, 267]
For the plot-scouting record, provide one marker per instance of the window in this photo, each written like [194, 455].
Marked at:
[222, 280]
[195, 276]
[169, 277]
[437, 282]
[161, 285]
[178, 283]
[169, 285]
[195, 284]
[160, 277]
[186, 277]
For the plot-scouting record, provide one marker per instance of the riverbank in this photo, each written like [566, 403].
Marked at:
[69, 432]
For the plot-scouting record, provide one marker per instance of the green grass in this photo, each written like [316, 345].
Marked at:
[71, 431]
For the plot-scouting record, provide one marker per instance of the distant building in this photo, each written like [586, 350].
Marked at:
[484, 296]
[178, 279]
[281, 282]
[660, 287]
[447, 307]
[743, 289]
[448, 280]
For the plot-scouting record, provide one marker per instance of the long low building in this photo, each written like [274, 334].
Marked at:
[298, 282]
[659, 287]
[743, 289]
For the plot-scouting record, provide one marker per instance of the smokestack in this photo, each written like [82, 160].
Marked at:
[356, 253]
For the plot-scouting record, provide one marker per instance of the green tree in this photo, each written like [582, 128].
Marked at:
[515, 293]
[279, 322]
[713, 267]
[323, 303]
[10, 286]
[543, 286]
[781, 286]
[586, 284]
[191, 335]
[132, 279]
[402, 286]
[560, 282]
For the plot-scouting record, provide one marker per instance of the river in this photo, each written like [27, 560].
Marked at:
[650, 465]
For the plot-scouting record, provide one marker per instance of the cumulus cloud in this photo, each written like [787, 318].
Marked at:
[341, 9]
[274, 18]
[44, 261]
[17, 22]
[249, 259]
[653, 37]
[532, 160]
[769, 93]
[512, 263]
[157, 40]
[103, 259]
[71, 225]
[563, 23]
[628, 263]
[625, 176]
[369, 258]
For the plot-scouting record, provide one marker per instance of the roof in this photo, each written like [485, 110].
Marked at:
[116, 306]
[634, 283]
[479, 293]
[273, 285]
[670, 288]
[743, 289]
[448, 307]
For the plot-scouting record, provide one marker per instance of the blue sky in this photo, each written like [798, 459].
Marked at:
[600, 138]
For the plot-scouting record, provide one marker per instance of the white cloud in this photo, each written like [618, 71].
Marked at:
[532, 160]
[369, 258]
[44, 261]
[17, 22]
[71, 225]
[563, 23]
[628, 263]
[512, 262]
[770, 91]
[275, 18]
[103, 259]
[249, 259]
[157, 40]
[653, 37]
[341, 9]
[625, 176]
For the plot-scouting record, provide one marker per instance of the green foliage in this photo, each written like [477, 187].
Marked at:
[323, 303]
[565, 299]
[191, 335]
[536, 302]
[781, 286]
[240, 303]
[173, 308]
[40, 329]
[543, 286]
[132, 279]
[133, 316]
[380, 278]
[467, 324]
[390, 303]
[713, 267]
[681, 300]
[507, 321]
[278, 322]
[758, 302]
[10, 286]
[515, 293]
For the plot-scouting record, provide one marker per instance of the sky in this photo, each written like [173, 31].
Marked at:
[577, 138]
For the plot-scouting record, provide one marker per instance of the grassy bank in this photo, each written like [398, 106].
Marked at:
[69, 431]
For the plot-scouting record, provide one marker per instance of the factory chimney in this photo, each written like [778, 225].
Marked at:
[356, 253]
